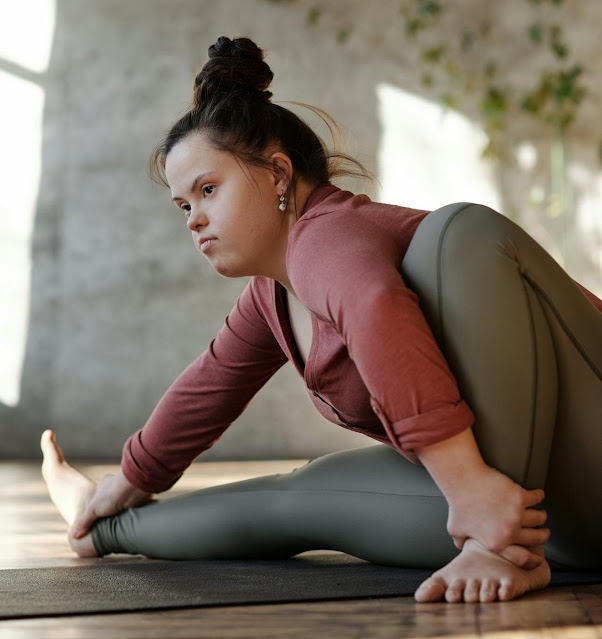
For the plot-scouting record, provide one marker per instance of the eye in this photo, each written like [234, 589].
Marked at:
[186, 208]
[209, 186]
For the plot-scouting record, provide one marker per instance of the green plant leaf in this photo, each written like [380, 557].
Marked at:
[468, 39]
[535, 33]
[557, 46]
[429, 8]
[313, 15]
[484, 28]
[433, 55]
[450, 100]
[494, 103]
[426, 80]
[344, 33]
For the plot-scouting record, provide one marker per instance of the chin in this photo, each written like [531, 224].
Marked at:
[226, 270]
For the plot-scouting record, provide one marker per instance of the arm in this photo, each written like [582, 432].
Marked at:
[194, 412]
[206, 398]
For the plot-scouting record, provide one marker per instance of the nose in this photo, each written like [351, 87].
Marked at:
[196, 220]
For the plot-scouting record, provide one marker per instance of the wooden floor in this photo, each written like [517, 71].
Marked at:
[33, 535]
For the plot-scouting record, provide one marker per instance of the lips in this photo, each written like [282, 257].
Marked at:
[206, 243]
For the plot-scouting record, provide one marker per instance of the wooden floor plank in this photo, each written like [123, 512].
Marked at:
[34, 535]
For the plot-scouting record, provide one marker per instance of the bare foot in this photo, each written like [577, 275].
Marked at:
[69, 490]
[477, 574]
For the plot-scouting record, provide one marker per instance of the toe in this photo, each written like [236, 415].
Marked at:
[455, 591]
[52, 453]
[506, 590]
[433, 589]
[472, 590]
[489, 590]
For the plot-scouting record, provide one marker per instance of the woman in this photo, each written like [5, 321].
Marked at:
[254, 184]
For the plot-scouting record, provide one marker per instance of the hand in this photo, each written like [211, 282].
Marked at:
[484, 503]
[113, 494]
[498, 513]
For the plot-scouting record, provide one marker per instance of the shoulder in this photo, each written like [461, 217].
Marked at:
[348, 248]
[341, 222]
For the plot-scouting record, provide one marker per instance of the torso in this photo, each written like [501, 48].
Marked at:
[300, 319]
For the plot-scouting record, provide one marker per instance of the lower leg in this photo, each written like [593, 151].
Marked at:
[371, 503]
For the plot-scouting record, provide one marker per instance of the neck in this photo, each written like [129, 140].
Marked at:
[304, 190]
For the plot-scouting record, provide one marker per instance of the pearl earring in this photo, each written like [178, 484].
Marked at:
[282, 205]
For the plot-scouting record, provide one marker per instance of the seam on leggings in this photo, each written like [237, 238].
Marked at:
[567, 330]
[442, 337]
[535, 378]
[329, 490]
[439, 271]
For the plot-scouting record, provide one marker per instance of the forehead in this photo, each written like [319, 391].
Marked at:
[195, 155]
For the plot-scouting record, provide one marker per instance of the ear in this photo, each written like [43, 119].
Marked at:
[282, 170]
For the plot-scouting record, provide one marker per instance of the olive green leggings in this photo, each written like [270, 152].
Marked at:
[525, 345]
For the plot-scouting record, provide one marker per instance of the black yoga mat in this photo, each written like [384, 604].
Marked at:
[146, 585]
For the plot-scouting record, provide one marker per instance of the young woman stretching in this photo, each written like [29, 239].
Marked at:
[375, 305]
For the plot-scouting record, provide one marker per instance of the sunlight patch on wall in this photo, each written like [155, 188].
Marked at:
[26, 30]
[430, 156]
[20, 132]
[587, 183]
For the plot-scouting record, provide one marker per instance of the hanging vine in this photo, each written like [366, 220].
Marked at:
[460, 66]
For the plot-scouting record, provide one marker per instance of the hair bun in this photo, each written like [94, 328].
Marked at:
[234, 66]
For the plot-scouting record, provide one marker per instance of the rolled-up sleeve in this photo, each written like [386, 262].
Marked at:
[206, 398]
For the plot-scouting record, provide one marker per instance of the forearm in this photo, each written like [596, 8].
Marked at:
[131, 494]
[453, 463]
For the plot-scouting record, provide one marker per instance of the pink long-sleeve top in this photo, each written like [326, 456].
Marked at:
[374, 366]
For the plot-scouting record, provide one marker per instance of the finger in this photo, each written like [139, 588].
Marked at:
[521, 557]
[533, 497]
[82, 524]
[532, 518]
[533, 536]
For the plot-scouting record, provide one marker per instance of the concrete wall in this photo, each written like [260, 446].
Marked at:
[118, 301]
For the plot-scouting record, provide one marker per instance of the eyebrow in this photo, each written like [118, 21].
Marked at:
[196, 180]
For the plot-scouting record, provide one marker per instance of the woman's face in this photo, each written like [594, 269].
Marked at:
[234, 203]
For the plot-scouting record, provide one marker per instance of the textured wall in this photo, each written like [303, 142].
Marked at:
[121, 301]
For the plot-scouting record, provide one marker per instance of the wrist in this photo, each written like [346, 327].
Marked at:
[126, 485]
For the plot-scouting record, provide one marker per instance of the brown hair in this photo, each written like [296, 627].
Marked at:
[231, 107]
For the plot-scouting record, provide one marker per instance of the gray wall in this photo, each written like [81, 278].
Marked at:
[121, 301]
